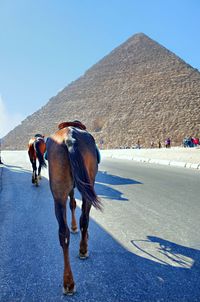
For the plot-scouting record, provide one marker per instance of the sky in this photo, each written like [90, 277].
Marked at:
[47, 44]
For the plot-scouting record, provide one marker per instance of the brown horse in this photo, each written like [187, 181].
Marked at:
[36, 150]
[73, 162]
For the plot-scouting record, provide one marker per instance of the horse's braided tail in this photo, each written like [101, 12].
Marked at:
[80, 174]
[39, 154]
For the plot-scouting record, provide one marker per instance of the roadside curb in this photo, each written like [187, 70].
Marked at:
[165, 162]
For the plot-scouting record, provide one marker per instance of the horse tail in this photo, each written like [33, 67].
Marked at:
[39, 154]
[79, 171]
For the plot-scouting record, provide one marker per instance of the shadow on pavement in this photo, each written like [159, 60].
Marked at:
[104, 179]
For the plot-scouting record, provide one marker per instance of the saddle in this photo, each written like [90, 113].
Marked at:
[75, 124]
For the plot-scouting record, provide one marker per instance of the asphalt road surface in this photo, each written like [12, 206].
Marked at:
[144, 246]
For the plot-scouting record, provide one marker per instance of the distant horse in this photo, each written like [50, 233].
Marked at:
[73, 162]
[36, 150]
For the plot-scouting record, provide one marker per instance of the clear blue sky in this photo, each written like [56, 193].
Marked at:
[44, 45]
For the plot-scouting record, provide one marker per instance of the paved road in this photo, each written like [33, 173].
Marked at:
[144, 247]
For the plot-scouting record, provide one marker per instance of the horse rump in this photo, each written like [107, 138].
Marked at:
[39, 146]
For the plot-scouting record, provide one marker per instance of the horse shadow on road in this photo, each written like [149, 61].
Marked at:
[31, 259]
[106, 178]
[105, 183]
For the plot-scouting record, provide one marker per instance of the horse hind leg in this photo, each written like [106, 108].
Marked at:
[36, 177]
[84, 223]
[36, 181]
[33, 177]
[39, 172]
[64, 238]
[72, 204]
[34, 174]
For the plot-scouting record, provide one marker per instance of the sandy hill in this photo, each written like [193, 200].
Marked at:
[140, 90]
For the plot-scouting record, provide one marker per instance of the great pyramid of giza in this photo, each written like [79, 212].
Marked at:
[141, 90]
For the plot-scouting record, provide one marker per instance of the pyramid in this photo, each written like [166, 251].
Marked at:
[140, 91]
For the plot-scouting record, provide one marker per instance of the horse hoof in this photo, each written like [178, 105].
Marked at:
[69, 292]
[83, 256]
